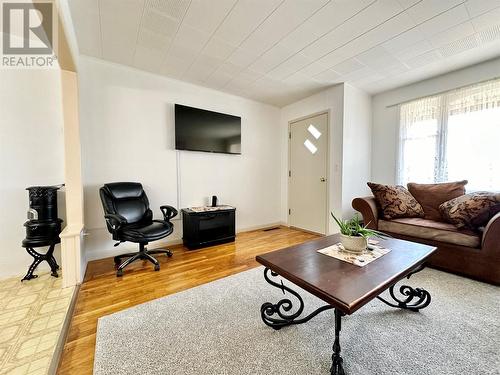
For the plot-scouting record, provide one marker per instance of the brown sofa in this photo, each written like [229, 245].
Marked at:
[462, 252]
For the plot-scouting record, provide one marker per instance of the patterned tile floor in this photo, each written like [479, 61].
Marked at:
[32, 314]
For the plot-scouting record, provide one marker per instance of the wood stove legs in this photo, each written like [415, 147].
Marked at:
[39, 258]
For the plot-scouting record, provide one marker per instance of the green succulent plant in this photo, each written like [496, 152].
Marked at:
[354, 228]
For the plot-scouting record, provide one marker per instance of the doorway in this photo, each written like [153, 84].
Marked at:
[308, 173]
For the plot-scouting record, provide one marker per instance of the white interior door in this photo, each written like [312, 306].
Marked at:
[307, 177]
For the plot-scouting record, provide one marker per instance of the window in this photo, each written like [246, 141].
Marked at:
[453, 136]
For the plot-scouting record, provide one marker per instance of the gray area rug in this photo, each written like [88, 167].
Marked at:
[216, 329]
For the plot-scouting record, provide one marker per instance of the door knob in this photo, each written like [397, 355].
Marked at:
[322, 179]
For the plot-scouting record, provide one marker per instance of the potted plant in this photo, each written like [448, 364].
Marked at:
[354, 236]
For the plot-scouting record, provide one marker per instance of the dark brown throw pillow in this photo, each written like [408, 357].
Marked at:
[431, 196]
[396, 201]
[484, 218]
[466, 211]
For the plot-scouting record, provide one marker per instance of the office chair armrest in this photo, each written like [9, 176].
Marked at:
[115, 221]
[168, 212]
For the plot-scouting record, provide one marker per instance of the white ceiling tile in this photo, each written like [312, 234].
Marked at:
[218, 48]
[375, 56]
[237, 86]
[149, 59]
[452, 34]
[489, 35]
[218, 79]
[288, 16]
[328, 76]
[173, 8]
[281, 72]
[244, 18]
[191, 38]
[427, 9]
[361, 23]
[333, 58]
[314, 68]
[477, 7]
[229, 68]
[413, 50]
[408, 3]
[248, 75]
[404, 40]
[392, 68]
[202, 68]
[207, 15]
[324, 21]
[152, 40]
[297, 62]
[159, 23]
[86, 20]
[180, 54]
[299, 79]
[174, 66]
[363, 74]
[444, 21]
[370, 39]
[395, 26]
[348, 66]
[459, 46]
[241, 57]
[119, 29]
[423, 59]
[271, 58]
[487, 19]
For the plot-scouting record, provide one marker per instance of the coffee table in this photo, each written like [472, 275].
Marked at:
[343, 286]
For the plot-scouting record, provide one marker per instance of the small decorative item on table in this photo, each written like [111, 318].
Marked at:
[374, 251]
[354, 236]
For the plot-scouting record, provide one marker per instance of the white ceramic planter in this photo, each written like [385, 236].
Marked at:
[353, 244]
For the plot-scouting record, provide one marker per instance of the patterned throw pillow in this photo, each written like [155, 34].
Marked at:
[431, 196]
[396, 201]
[464, 211]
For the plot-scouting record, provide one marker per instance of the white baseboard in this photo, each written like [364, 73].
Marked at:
[108, 250]
[56, 357]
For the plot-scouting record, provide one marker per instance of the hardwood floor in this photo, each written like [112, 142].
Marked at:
[102, 293]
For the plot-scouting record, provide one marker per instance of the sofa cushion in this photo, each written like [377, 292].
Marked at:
[465, 211]
[484, 218]
[396, 201]
[431, 230]
[431, 196]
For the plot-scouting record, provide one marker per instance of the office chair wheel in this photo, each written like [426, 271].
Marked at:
[157, 267]
[169, 254]
[119, 273]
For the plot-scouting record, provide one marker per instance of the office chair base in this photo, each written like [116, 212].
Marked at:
[143, 254]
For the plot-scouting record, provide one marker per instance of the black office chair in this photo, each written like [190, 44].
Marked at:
[128, 218]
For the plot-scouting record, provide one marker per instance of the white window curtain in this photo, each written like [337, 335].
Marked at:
[453, 136]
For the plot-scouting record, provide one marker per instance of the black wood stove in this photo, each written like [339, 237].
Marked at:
[42, 227]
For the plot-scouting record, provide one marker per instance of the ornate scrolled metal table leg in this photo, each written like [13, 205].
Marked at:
[278, 315]
[412, 299]
[337, 367]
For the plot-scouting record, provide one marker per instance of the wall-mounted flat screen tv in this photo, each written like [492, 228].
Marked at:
[201, 130]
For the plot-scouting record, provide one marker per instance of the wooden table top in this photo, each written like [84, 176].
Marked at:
[341, 284]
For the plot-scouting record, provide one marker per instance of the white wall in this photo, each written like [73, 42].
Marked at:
[386, 119]
[350, 138]
[127, 132]
[356, 148]
[31, 153]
